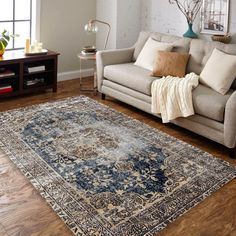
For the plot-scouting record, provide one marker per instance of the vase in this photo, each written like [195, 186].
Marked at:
[190, 33]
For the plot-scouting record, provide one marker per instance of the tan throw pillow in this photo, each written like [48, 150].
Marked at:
[219, 71]
[170, 63]
[147, 55]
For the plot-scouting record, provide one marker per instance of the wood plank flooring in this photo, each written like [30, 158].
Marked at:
[23, 212]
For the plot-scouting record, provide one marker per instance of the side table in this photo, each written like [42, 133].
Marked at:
[87, 58]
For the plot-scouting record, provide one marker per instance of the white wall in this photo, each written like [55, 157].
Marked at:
[106, 11]
[128, 22]
[124, 16]
[162, 17]
[62, 24]
[129, 17]
[62, 29]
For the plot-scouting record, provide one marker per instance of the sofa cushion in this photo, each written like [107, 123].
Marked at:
[170, 63]
[209, 103]
[131, 76]
[146, 57]
[201, 50]
[219, 71]
[180, 44]
[206, 101]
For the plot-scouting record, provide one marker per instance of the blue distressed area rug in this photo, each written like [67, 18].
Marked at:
[104, 173]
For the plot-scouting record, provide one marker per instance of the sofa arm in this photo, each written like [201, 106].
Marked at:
[111, 57]
[230, 122]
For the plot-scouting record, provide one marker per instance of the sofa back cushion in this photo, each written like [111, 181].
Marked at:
[201, 50]
[180, 44]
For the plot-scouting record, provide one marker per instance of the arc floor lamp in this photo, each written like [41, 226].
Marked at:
[92, 27]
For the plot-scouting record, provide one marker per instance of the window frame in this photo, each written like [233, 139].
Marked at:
[35, 6]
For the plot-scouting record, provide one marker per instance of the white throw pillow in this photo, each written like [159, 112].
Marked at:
[219, 71]
[147, 56]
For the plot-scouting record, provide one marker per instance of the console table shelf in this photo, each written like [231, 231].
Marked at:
[14, 73]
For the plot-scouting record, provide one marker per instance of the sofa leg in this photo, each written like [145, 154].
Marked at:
[103, 96]
[232, 153]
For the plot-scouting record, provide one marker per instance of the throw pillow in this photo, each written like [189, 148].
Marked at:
[147, 55]
[219, 71]
[170, 63]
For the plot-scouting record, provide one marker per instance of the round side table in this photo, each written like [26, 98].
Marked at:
[82, 58]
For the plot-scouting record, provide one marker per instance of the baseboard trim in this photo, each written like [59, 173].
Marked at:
[74, 74]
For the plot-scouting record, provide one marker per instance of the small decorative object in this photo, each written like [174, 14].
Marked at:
[190, 9]
[91, 27]
[214, 17]
[27, 45]
[222, 38]
[35, 49]
[89, 50]
[4, 40]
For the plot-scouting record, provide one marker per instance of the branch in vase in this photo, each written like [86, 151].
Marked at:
[189, 8]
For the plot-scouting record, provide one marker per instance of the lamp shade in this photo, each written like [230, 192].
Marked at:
[91, 27]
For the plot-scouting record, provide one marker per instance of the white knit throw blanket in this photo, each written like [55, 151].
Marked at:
[172, 96]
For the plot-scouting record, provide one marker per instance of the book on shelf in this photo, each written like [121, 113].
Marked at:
[5, 89]
[35, 69]
[6, 73]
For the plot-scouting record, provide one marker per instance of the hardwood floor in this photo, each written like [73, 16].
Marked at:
[24, 212]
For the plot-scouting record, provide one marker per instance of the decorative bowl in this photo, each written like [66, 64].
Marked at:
[222, 38]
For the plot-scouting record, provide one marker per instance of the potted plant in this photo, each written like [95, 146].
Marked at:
[4, 40]
[190, 9]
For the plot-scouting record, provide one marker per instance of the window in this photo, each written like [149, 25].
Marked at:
[20, 17]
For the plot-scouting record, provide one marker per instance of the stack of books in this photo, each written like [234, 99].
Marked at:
[34, 82]
[5, 89]
[5, 86]
[89, 50]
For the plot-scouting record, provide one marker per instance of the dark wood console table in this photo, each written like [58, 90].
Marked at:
[17, 73]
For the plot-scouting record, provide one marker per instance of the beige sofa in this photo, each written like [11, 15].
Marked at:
[215, 114]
